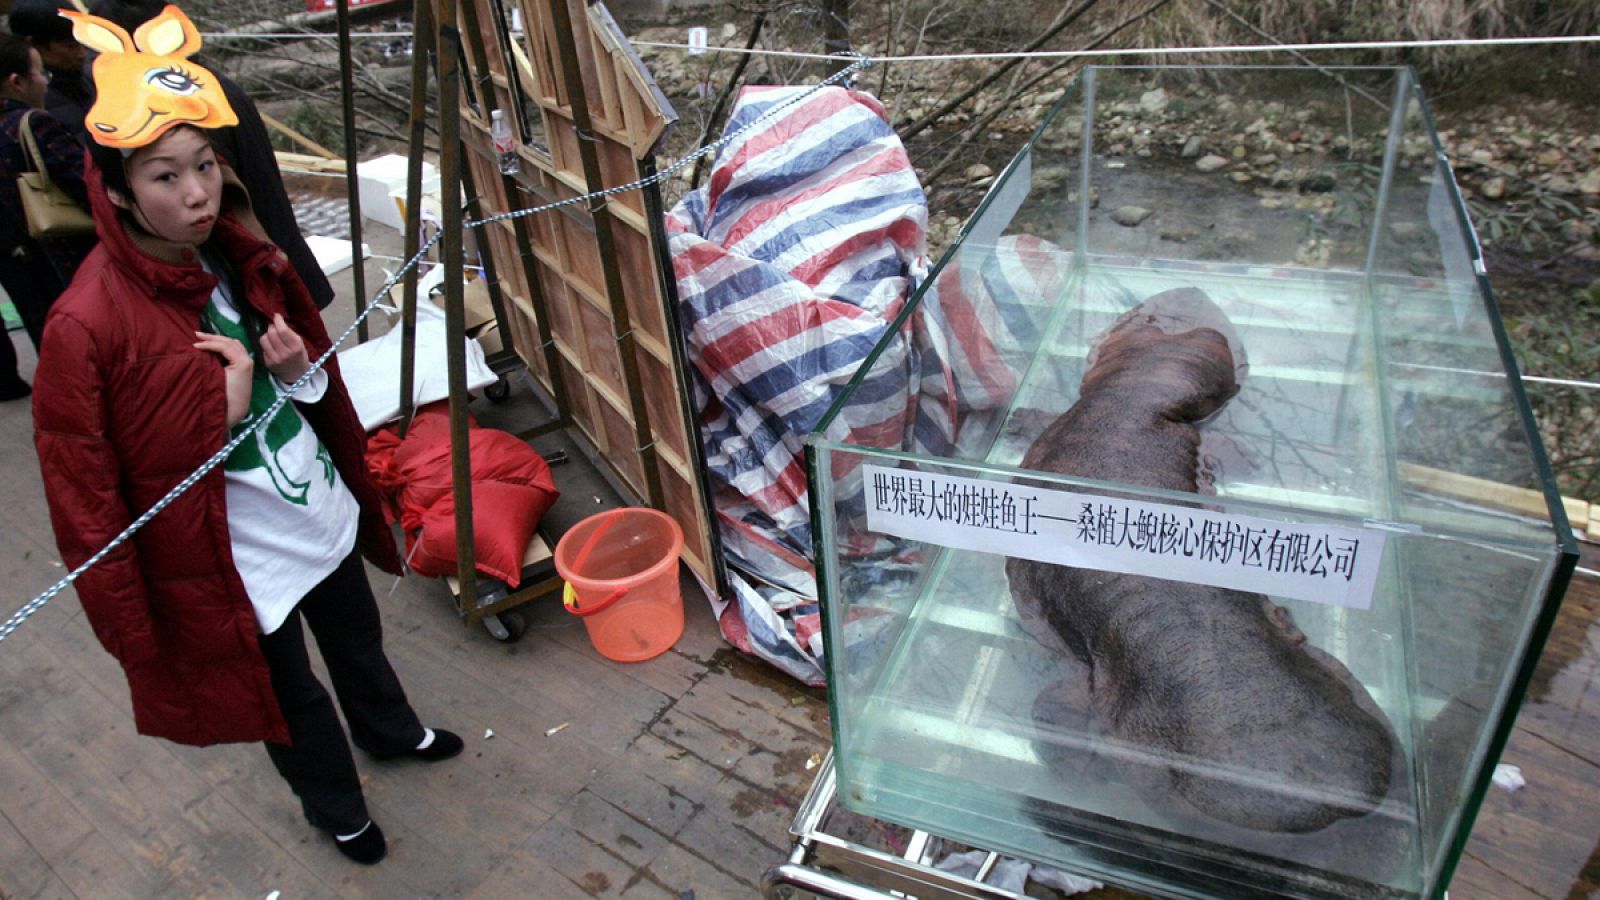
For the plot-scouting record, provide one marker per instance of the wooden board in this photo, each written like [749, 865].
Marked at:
[585, 292]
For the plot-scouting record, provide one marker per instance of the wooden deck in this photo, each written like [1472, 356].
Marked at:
[669, 777]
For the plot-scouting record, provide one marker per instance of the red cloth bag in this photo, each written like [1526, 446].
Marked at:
[512, 488]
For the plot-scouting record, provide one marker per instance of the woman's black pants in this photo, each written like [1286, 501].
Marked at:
[343, 618]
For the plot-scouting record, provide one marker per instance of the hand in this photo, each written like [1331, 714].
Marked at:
[284, 352]
[238, 370]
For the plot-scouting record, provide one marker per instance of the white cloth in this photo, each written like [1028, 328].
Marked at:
[290, 516]
[372, 369]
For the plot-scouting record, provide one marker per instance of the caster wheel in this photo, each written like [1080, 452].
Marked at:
[508, 628]
[499, 391]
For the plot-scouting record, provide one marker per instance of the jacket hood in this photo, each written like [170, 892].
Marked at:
[171, 269]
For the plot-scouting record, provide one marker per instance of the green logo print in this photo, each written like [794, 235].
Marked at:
[260, 451]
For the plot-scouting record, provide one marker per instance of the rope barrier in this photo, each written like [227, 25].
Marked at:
[32, 606]
[300, 35]
[1160, 51]
[859, 63]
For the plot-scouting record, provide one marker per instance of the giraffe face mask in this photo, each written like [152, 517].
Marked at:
[145, 84]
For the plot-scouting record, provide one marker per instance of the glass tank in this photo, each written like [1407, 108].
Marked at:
[1190, 527]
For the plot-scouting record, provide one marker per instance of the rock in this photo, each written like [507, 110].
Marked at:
[1262, 160]
[1191, 148]
[1153, 101]
[1129, 216]
[1313, 253]
[978, 170]
[1047, 178]
[1494, 188]
[1578, 230]
[1255, 127]
[1144, 153]
[1590, 182]
[1317, 182]
[1210, 163]
[1242, 177]
[1240, 152]
[1550, 158]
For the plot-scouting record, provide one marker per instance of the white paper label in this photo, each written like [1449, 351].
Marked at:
[698, 36]
[1330, 564]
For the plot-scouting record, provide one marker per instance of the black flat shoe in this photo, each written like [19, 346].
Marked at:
[366, 848]
[446, 745]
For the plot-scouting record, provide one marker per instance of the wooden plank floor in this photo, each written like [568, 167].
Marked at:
[673, 776]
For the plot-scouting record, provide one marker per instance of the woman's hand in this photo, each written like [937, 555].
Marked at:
[284, 352]
[238, 370]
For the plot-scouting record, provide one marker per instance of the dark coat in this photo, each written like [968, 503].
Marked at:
[63, 161]
[248, 149]
[68, 98]
[124, 409]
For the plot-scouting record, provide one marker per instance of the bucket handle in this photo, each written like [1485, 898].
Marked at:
[594, 539]
[569, 599]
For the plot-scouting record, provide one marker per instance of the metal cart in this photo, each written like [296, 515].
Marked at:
[822, 864]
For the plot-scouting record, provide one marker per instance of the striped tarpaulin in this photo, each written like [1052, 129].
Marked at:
[793, 262]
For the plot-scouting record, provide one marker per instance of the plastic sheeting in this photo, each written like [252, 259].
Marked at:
[792, 263]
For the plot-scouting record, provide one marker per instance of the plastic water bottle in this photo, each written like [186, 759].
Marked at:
[505, 143]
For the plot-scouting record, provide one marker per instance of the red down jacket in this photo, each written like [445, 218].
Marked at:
[124, 409]
[512, 489]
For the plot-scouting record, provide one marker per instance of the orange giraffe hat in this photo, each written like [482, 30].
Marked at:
[146, 84]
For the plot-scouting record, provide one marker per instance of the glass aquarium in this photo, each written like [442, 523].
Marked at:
[1190, 528]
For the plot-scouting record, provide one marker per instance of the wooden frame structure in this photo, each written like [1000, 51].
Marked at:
[584, 295]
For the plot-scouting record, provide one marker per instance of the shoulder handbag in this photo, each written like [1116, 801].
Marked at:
[48, 209]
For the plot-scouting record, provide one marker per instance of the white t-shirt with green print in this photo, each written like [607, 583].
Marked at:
[290, 516]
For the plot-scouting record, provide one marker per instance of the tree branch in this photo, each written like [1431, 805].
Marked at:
[917, 127]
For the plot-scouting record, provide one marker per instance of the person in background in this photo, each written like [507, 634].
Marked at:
[248, 151]
[33, 273]
[183, 330]
[69, 97]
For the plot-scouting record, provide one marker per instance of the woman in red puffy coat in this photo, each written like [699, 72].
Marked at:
[181, 329]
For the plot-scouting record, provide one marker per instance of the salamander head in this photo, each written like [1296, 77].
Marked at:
[1178, 311]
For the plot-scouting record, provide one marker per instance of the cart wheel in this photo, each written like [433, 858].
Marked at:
[508, 627]
[498, 392]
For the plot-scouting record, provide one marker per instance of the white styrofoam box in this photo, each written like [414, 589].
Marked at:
[382, 181]
[333, 254]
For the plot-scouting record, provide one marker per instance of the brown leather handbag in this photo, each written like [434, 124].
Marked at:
[48, 209]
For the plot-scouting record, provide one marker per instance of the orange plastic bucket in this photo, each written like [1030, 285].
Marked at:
[621, 568]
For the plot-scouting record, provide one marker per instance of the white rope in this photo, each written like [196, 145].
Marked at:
[32, 606]
[1480, 373]
[301, 35]
[1160, 51]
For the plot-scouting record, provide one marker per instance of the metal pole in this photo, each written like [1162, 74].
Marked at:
[421, 45]
[449, 80]
[347, 85]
